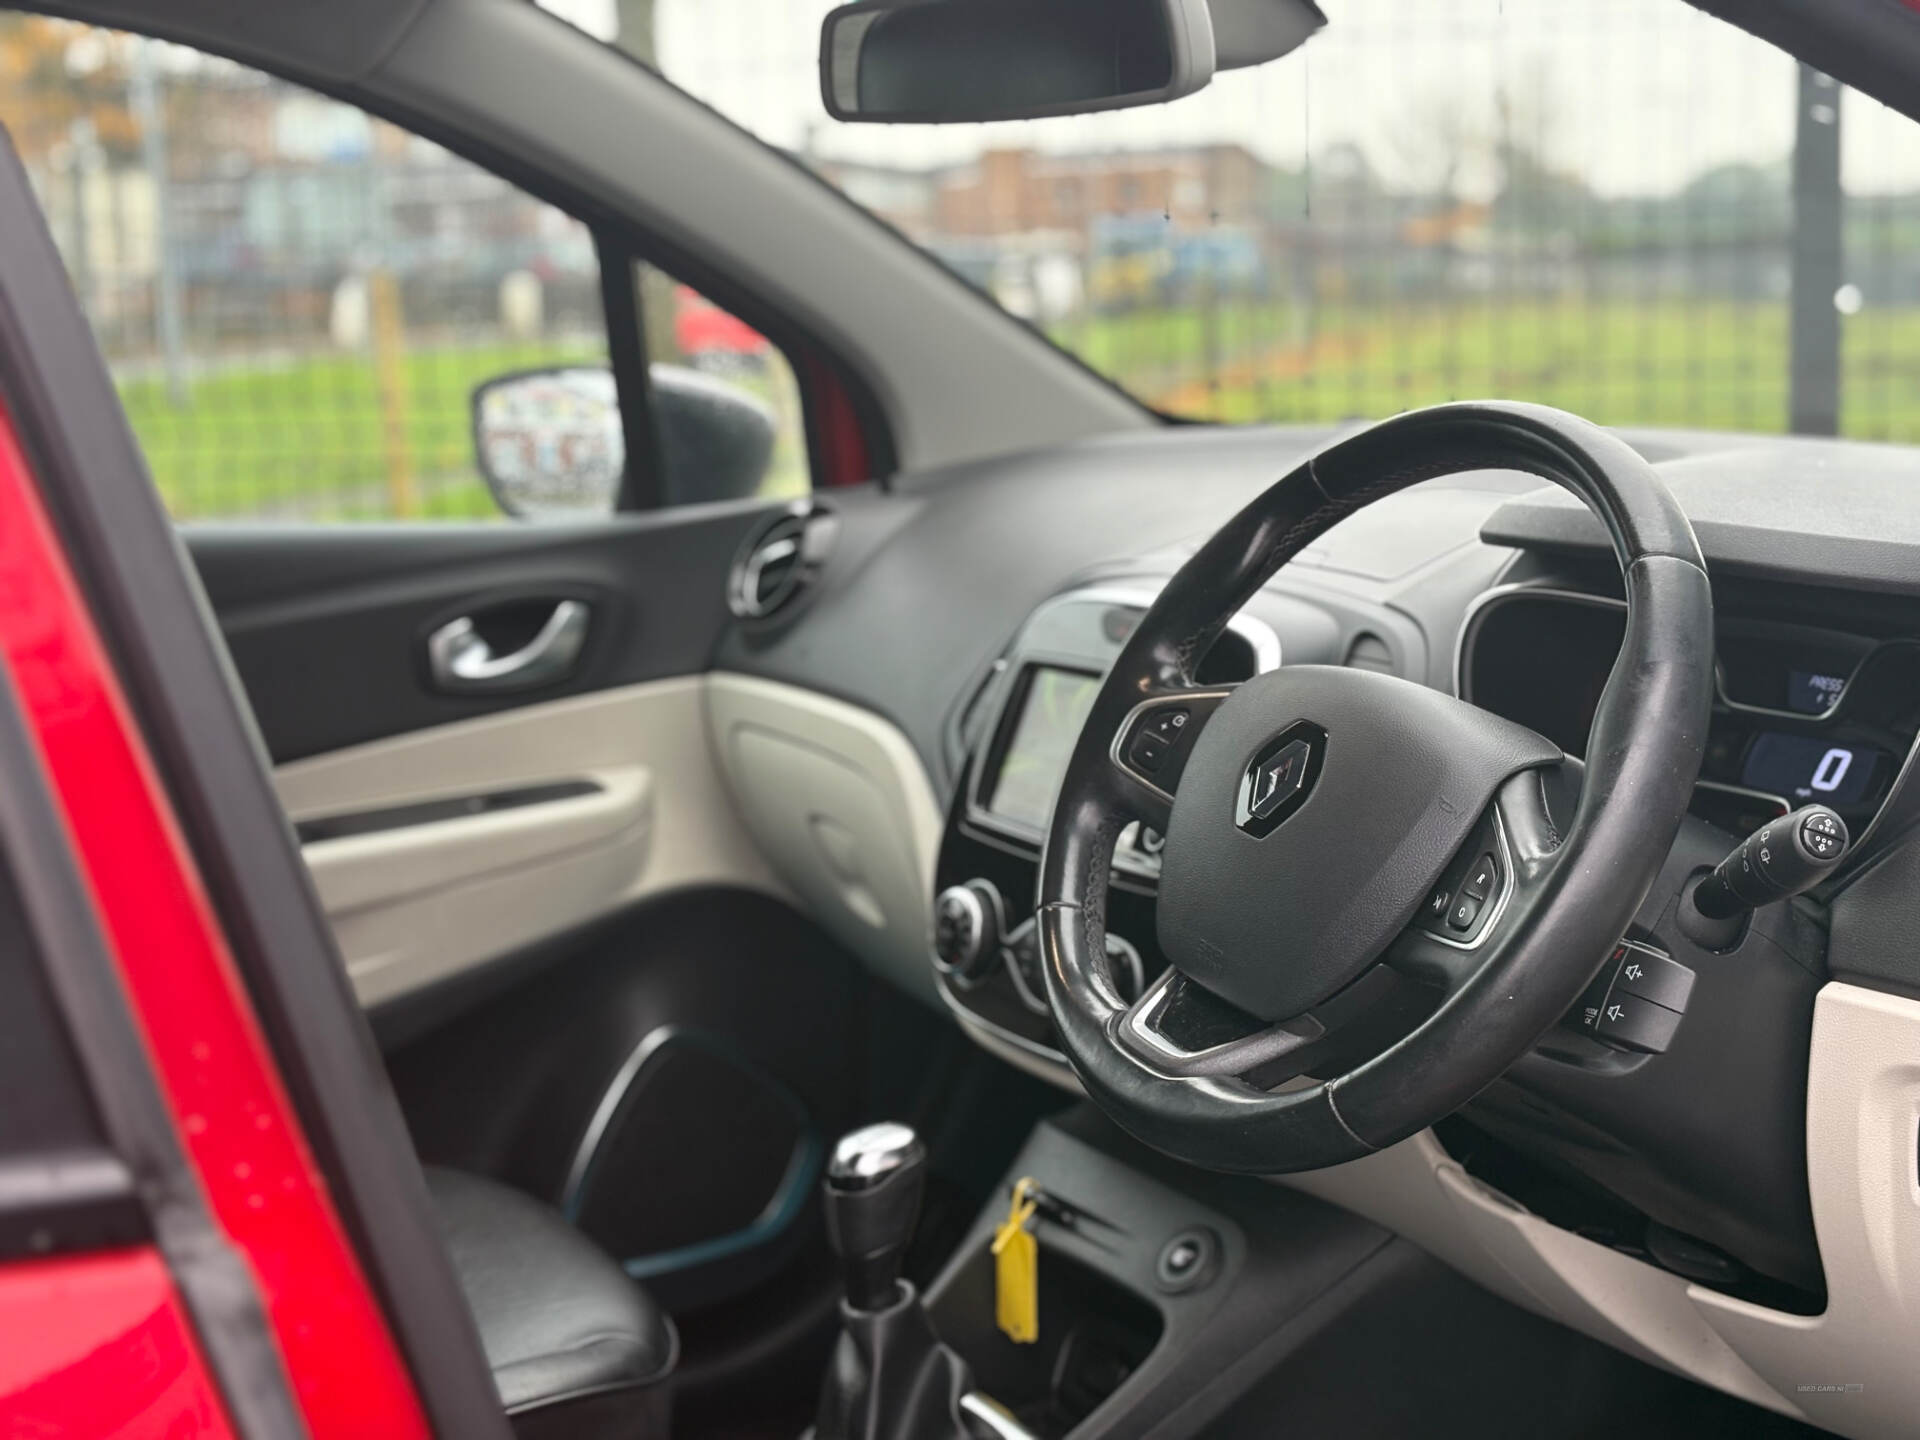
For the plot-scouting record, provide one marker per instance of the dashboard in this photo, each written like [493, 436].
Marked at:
[1801, 713]
[1674, 1198]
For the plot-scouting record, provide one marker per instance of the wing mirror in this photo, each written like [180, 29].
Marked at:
[550, 445]
[939, 62]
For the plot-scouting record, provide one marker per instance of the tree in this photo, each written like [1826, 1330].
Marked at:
[54, 73]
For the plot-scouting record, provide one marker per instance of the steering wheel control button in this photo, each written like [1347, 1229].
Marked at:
[1822, 834]
[1187, 1261]
[1631, 1023]
[1483, 877]
[1169, 724]
[1149, 751]
[1158, 737]
[1465, 911]
[1462, 903]
[1650, 975]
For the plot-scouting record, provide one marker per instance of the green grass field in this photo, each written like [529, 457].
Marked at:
[301, 438]
[1716, 366]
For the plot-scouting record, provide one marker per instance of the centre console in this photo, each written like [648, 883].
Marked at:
[1017, 734]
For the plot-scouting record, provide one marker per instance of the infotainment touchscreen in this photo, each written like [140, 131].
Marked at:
[1053, 707]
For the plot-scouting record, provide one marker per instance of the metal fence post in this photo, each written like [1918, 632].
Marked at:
[1813, 364]
[144, 92]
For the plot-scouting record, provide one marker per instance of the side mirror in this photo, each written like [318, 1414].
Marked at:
[549, 443]
[935, 62]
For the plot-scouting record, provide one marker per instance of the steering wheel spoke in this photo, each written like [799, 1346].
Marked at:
[1151, 746]
[1484, 887]
[1180, 1029]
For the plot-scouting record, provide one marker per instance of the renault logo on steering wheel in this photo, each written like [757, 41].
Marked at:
[1280, 777]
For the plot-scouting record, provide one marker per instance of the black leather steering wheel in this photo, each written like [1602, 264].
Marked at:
[1311, 812]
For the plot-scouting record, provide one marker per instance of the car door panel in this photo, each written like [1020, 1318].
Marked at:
[328, 626]
[417, 904]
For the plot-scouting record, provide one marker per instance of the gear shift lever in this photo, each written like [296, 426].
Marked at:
[875, 1179]
[890, 1375]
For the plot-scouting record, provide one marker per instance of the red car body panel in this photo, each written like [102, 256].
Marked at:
[98, 1346]
[215, 1071]
[702, 328]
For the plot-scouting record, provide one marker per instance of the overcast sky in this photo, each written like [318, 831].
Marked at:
[1636, 96]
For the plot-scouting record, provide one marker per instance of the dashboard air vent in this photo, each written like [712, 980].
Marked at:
[779, 562]
[1369, 652]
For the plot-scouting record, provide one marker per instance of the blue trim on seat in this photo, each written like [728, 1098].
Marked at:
[783, 1207]
[788, 1200]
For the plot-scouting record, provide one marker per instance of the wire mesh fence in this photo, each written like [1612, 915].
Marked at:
[1622, 207]
[295, 300]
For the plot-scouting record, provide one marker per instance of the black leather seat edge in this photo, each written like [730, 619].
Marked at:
[577, 1348]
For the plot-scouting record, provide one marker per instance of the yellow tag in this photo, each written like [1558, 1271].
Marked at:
[1016, 1271]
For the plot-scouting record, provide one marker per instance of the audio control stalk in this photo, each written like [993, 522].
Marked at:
[1782, 858]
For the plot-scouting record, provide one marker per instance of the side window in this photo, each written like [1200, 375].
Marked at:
[722, 421]
[693, 334]
[312, 315]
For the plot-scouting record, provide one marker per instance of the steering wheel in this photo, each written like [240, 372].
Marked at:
[1336, 985]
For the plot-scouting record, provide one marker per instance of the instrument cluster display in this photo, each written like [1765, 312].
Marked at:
[1805, 768]
[1801, 714]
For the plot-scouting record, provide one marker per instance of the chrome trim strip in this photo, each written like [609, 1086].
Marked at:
[1720, 693]
[1157, 702]
[1030, 1055]
[1786, 807]
[992, 1419]
[1500, 905]
[1872, 653]
[1484, 601]
[1255, 631]
[611, 1099]
[1904, 776]
[783, 1206]
[1264, 639]
[1203, 1064]
[1475, 613]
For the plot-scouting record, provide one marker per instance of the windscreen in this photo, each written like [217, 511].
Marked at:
[1626, 208]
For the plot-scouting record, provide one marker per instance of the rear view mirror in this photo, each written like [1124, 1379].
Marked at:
[549, 443]
[948, 61]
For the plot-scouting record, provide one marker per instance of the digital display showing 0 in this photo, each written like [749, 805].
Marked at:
[1805, 767]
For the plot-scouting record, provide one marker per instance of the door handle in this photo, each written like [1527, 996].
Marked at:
[461, 661]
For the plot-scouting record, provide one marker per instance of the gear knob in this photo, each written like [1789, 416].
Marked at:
[873, 1187]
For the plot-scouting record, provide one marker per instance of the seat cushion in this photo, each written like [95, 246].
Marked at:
[577, 1348]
